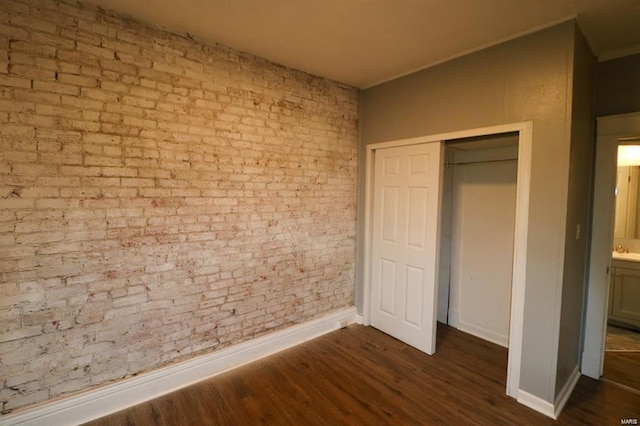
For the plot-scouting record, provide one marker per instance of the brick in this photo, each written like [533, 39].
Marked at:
[33, 23]
[162, 186]
[13, 31]
[83, 103]
[58, 135]
[36, 96]
[65, 89]
[101, 138]
[14, 106]
[11, 81]
[17, 130]
[145, 93]
[138, 102]
[77, 58]
[90, 126]
[75, 33]
[70, 386]
[126, 71]
[99, 95]
[15, 6]
[95, 50]
[139, 122]
[77, 80]
[60, 158]
[50, 39]
[26, 399]
[21, 333]
[138, 182]
[32, 119]
[97, 28]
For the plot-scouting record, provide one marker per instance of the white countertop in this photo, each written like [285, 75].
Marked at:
[632, 257]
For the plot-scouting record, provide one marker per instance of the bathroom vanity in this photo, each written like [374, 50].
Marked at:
[624, 291]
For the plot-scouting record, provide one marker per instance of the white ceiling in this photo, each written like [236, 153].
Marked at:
[366, 42]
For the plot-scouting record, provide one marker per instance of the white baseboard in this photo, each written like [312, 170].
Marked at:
[108, 399]
[545, 407]
[484, 333]
[566, 391]
[536, 403]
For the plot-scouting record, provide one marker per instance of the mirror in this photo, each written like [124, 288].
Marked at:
[627, 220]
[627, 203]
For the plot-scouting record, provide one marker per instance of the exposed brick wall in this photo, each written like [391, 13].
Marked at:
[159, 198]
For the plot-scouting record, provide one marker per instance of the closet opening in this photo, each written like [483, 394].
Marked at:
[478, 222]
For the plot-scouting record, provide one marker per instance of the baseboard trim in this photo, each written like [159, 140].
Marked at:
[566, 391]
[545, 407]
[108, 399]
[536, 403]
[483, 333]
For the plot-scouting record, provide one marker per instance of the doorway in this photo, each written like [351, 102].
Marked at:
[613, 280]
[516, 317]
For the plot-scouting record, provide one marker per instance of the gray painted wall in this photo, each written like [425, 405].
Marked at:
[578, 208]
[525, 79]
[618, 86]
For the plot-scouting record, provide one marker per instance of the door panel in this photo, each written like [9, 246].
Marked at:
[417, 231]
[405, 242]
[390, 214]
[387, 295]
[415, 289]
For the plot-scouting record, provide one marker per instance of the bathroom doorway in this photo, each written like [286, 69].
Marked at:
[611, 338]
[622, 342]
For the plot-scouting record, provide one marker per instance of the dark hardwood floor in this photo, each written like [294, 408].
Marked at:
[623, 368]
[360, 376]
[622, 357]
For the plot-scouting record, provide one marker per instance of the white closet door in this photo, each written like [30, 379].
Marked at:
[405, 243]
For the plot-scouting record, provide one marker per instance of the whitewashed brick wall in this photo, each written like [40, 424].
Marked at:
[159, 197]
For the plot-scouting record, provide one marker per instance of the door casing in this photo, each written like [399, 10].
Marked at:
[525, 141]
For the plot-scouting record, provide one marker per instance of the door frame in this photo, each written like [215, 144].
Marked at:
[610, 130]
[518, 284]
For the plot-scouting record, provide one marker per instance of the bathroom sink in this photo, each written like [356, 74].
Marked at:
[633, 257]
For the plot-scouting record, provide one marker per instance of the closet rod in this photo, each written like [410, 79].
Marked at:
[481, 162]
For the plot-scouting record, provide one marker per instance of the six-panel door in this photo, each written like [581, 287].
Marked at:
[405, 242]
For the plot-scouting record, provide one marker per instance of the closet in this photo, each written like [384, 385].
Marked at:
[477, 235]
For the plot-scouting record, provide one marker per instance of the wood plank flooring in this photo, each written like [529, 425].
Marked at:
[623, 368]
[622, 357]
[360, 376]
[622, 339]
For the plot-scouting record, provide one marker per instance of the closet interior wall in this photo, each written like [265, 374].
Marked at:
[477, 235]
